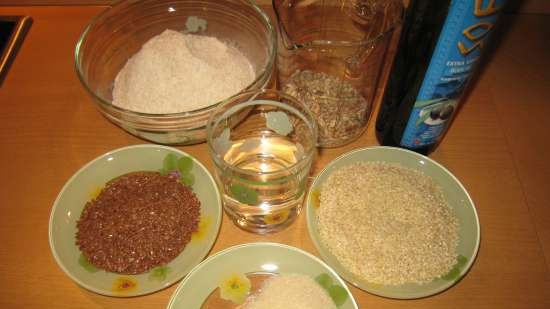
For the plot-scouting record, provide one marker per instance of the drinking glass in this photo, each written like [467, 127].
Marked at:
[262, 143]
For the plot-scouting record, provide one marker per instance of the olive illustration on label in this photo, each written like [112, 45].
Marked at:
[446, 112]
[434, 113]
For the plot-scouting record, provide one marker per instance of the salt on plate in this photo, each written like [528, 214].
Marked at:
[295, 291]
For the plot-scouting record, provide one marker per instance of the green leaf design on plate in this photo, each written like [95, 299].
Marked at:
[185, 164]
[170, 162]
[324, 280]
[338, 294]
[454, 273]
[83, 261]
[244, 195]
[188, 179]
[159, 273]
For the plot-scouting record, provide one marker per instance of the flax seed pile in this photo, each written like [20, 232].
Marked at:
[387, 224]
[139, 221]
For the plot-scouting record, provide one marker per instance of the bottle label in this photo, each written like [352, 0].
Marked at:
[462, 38]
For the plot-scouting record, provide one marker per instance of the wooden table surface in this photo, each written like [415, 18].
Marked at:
[498, 147]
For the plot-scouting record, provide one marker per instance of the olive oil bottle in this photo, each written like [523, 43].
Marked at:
[440, 45]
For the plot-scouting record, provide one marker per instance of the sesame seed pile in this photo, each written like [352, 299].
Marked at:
[387, 224]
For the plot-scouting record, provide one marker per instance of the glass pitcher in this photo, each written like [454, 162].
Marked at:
[330, 56]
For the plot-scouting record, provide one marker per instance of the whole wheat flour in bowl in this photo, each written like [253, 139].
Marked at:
[176, 72]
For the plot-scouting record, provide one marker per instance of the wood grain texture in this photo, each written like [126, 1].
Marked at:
[498, 147]
[523, 106]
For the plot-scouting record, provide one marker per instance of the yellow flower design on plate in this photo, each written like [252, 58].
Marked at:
[235, 288]
[202, 230]
[95, 192]
[277, 218]
[124, 285]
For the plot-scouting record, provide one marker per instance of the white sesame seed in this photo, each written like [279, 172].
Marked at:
[387, 224]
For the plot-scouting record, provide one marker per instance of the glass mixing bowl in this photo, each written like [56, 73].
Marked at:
[119, 32]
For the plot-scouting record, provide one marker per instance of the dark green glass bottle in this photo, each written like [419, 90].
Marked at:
[440, 45]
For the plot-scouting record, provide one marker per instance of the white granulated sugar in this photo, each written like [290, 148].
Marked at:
[294, 291]
[387, 224]
[175, 72]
